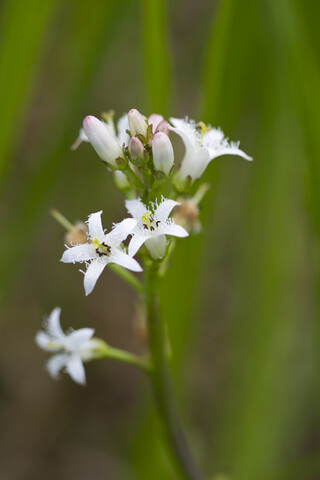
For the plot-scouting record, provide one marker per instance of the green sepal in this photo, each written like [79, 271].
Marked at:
[183, 186]
[122, 163]
[149, 135]
[142, 139]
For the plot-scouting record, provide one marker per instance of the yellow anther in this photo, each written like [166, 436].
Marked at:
[108, 116]
[145, 218]
[95, 243]
[203, 128]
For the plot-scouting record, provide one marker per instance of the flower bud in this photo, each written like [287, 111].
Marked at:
[137, 124]
[162, 150]
[163, 127]
[103, 141]
[154, 120]
[78, 235]
[136, 149]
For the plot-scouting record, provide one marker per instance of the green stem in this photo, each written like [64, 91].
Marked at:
[133, 179]
[126, 357]
[127, 277]
[162, 383]
[62, 220]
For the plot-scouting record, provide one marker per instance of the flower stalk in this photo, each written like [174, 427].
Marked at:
[161, 380]
[126, 357]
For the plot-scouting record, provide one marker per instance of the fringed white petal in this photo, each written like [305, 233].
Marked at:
[95, 226]
[137, 241]
[164, 209]
[79, 337]
[42, 340]
[229, 150]
[76, 370]
[136, 208]
[79, 253]
[174, 230]
[120, 232]
[92, 274]
[56, 363]
[52, 325]
[125, 261]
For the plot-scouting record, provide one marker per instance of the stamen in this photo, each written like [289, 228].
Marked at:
[102, 249]
[145, 219]
[203, 128]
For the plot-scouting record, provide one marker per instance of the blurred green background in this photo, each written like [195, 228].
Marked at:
[241, 299]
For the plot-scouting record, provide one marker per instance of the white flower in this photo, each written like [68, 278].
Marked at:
[163, 156]
[102, 248]
[202, 144]
[153, 226]
[71, 349]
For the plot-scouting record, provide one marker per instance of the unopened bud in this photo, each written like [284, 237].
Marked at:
[136, 149]
[154, 120]
[103, 141]
[163, 127]
[77, 235]
[137, 124]
[163, 156]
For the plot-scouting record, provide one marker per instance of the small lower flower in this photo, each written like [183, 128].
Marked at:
[152, 226]
[70, 349]
[101, 249]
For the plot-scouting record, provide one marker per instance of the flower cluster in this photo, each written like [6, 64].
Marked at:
[139, 153]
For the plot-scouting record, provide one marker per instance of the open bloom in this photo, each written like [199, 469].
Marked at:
[70, 349]
[102, 248]
[202, 144]
[152, 226]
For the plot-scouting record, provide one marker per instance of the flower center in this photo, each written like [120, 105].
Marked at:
[102, 249]
[147, 223]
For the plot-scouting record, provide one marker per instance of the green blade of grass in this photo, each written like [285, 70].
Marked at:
[23, 28]
[155, 52]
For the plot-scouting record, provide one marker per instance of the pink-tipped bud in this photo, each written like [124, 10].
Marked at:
[163, 156]
[163, 127]
[136, 149]
[137, 124]
[154, 120]
[103, 141]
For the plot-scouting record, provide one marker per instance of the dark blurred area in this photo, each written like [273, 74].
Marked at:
[241, 299]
